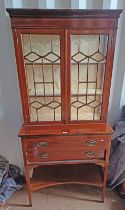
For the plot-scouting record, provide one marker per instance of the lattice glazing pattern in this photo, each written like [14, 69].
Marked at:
[42, 70]
[88, 59]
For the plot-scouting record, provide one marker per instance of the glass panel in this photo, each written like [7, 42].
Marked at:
[42, 70]
[88, 59]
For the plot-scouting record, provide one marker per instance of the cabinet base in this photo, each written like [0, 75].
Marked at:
[53, 175]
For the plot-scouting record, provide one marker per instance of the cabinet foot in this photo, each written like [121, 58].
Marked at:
[103, 194]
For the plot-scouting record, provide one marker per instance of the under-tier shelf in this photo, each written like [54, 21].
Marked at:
[88, 174]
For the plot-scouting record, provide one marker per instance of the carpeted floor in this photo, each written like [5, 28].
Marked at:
[66, 197]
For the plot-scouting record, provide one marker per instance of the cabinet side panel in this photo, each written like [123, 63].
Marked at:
[108, 74]
[21, 75]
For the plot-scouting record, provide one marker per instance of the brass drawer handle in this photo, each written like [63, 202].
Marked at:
[90, 153]
[41, 144]
[91, 143]
[43, 155]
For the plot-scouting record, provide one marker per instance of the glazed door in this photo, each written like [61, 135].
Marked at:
[41, 71]
[88, 56]
[64, 74]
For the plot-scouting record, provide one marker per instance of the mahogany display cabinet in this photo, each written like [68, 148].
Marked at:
[64, 62]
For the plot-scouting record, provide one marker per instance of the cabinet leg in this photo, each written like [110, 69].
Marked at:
[104, 183]
[103, 194]
[28, 185]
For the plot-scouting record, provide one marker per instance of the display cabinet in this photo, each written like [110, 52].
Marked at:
[64, 62]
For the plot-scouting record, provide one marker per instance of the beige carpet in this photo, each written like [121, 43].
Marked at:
[66, 197]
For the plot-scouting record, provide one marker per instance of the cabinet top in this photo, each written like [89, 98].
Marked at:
[68, 129]
[63, 13]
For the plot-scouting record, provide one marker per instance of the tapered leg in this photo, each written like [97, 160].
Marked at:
[104, 183]
[102, 195]
[28, 184]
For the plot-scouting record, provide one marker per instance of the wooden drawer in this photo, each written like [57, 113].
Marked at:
[64, 143]
[37, 155]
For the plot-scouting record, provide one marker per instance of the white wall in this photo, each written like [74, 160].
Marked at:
[94, 4]
[29, 3]
[118, 68]
[62, 4]
[122, 102]
[10, 110]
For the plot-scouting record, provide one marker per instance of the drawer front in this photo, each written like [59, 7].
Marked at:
[34, 156]
[67, 142]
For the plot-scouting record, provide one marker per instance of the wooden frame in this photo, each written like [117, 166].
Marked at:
[50, 146]
[65, 76]
[21, 69]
